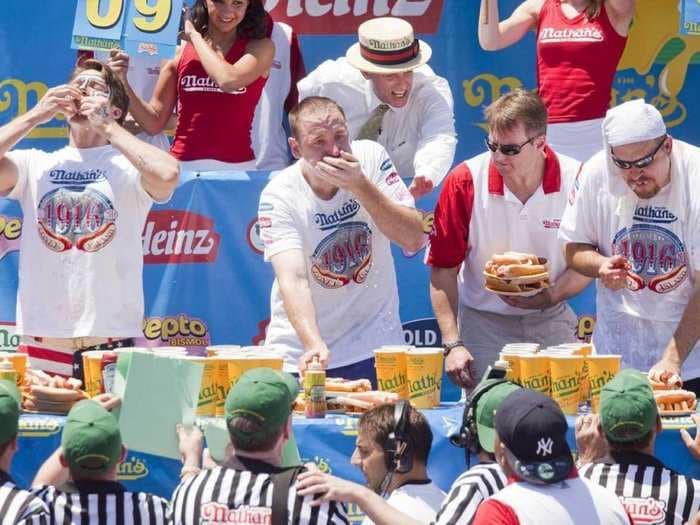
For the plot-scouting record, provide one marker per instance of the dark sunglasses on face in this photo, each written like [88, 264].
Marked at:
[640, 163]
[507, 149]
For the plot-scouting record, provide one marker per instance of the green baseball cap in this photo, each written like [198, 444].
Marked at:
[627, 407]
[486, 406]
[9, 410]
[265, 396]
[91, 439]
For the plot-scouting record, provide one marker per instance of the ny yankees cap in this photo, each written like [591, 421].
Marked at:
[262, 395]
[533, 428]
[91, 440]
[9, 410]
[627, 407]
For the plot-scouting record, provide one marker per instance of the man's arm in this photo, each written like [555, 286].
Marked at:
[401, 224]
[290, 270]
[53, 472]
[686, 335]
[586, 260]
[444, 297]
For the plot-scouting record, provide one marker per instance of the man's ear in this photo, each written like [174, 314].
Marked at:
[63, 460]
[116, 113]
[294, 147]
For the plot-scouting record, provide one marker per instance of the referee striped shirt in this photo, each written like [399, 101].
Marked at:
[17, 504]
[467, 493]
[651, 493]
[100, 503]
[228, 495]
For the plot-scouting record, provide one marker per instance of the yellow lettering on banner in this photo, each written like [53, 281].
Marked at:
[131, 469]
[113, 15]
[485, 88]
[38, 428]
[16, 90]
[160, 12]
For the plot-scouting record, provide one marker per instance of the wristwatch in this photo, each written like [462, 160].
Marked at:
[447, 347]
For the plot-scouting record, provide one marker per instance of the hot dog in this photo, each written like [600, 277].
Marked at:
[518, 270]
[514, 258]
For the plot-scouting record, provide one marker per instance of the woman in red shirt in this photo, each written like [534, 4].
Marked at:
[579, 45]
[216, 78]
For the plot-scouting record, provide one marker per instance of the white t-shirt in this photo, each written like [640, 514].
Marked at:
[350, 268]
[421, 501]
[81, 259]
[662, 244]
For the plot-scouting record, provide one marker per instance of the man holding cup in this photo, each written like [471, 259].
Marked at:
[633, 222]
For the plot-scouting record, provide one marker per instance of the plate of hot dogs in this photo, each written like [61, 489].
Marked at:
[517, 274]
[671, 398]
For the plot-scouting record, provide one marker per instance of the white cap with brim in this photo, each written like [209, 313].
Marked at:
[387, 45]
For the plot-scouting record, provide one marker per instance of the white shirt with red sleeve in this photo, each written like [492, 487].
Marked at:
[477, 216]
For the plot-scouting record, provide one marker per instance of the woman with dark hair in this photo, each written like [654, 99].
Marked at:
[216, 78]
[579, 45]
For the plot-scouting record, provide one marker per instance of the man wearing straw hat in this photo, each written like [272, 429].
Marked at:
[391, 96]
[634, 223]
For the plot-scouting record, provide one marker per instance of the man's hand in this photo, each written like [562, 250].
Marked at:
[331, 488]
[693, 443]
[190, 443]
[320, 354]
[539, 301]
[344, 172]
[420, 186]
[665, 370]
[459, 366]
[60, 99]
[98, 112]
[119, 62]
[590, 441]
[108, 401]
[613, 272]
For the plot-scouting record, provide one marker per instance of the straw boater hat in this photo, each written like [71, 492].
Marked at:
[387, 45]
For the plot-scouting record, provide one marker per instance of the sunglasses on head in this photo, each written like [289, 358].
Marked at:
[507, 149]
[640, 163]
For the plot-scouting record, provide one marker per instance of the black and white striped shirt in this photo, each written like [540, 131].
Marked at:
[467, 493]
[17, 504]
[223, 494]
[100, 503]
[651, 493]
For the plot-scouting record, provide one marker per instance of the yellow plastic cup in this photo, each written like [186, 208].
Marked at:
[390, 366]
[19, 364]
[601, 369]
[514, 373]
[206, 404]
[565, 378]
[534, 373]
[424, 375]
[92, 371]
[221, 383]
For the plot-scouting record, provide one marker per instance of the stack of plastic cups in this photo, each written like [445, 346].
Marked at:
[565, 372]
[19, 364]
[512, 353]
[424, 376]
[390, 368]
[221, 355]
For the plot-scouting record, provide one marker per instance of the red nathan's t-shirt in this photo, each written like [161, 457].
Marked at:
[576, 63]
[212, 124]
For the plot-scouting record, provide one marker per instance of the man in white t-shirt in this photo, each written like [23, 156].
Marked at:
[84, 206]
[391, 95]
[327, 222]
[634, 223]
[392, 447]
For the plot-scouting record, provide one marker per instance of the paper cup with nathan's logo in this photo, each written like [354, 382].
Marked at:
[206, 404]
[601, 369]
[424, 376]
[92, 371]
[534, 373]
[390, 365]
[565, 379]
[19, 364]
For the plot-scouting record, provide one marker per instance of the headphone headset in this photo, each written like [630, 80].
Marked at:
[398, 452]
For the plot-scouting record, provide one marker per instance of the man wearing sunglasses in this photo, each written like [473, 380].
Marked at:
[634, 223]
[509, 198]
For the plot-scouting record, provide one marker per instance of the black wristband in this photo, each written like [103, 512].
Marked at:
[447, 347]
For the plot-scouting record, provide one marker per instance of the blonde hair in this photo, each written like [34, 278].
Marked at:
[517, 107]
[308, 106]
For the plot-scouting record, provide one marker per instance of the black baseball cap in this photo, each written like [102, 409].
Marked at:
[533, 428]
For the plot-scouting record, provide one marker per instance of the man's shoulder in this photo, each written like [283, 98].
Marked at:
[283, 182]
[471, 170]
[333, 73]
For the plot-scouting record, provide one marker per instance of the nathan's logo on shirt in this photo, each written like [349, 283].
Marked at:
[79, 217]
[328, 221]
[551, 224]
[392, 178]
[131, 469]
[342, 17]
[175, 236]
[344, 256]
[658, 257]
[219, 514]
[193, 83]
[549, 35]
[76, 177]
[10, 232]
[658, 214]
[179, 330]
[386, 165]
[254, 238]
[645, 511]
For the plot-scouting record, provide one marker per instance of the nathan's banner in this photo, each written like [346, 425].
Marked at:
[690, 17]
[137, 26]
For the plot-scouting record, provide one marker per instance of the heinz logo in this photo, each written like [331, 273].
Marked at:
[343, 16]
[174, 236]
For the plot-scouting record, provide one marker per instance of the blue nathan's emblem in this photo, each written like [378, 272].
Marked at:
[343, 256]
[658, 257]
[76, 217]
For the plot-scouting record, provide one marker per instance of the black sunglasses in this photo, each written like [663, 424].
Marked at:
[507, 149]
[640, 163]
